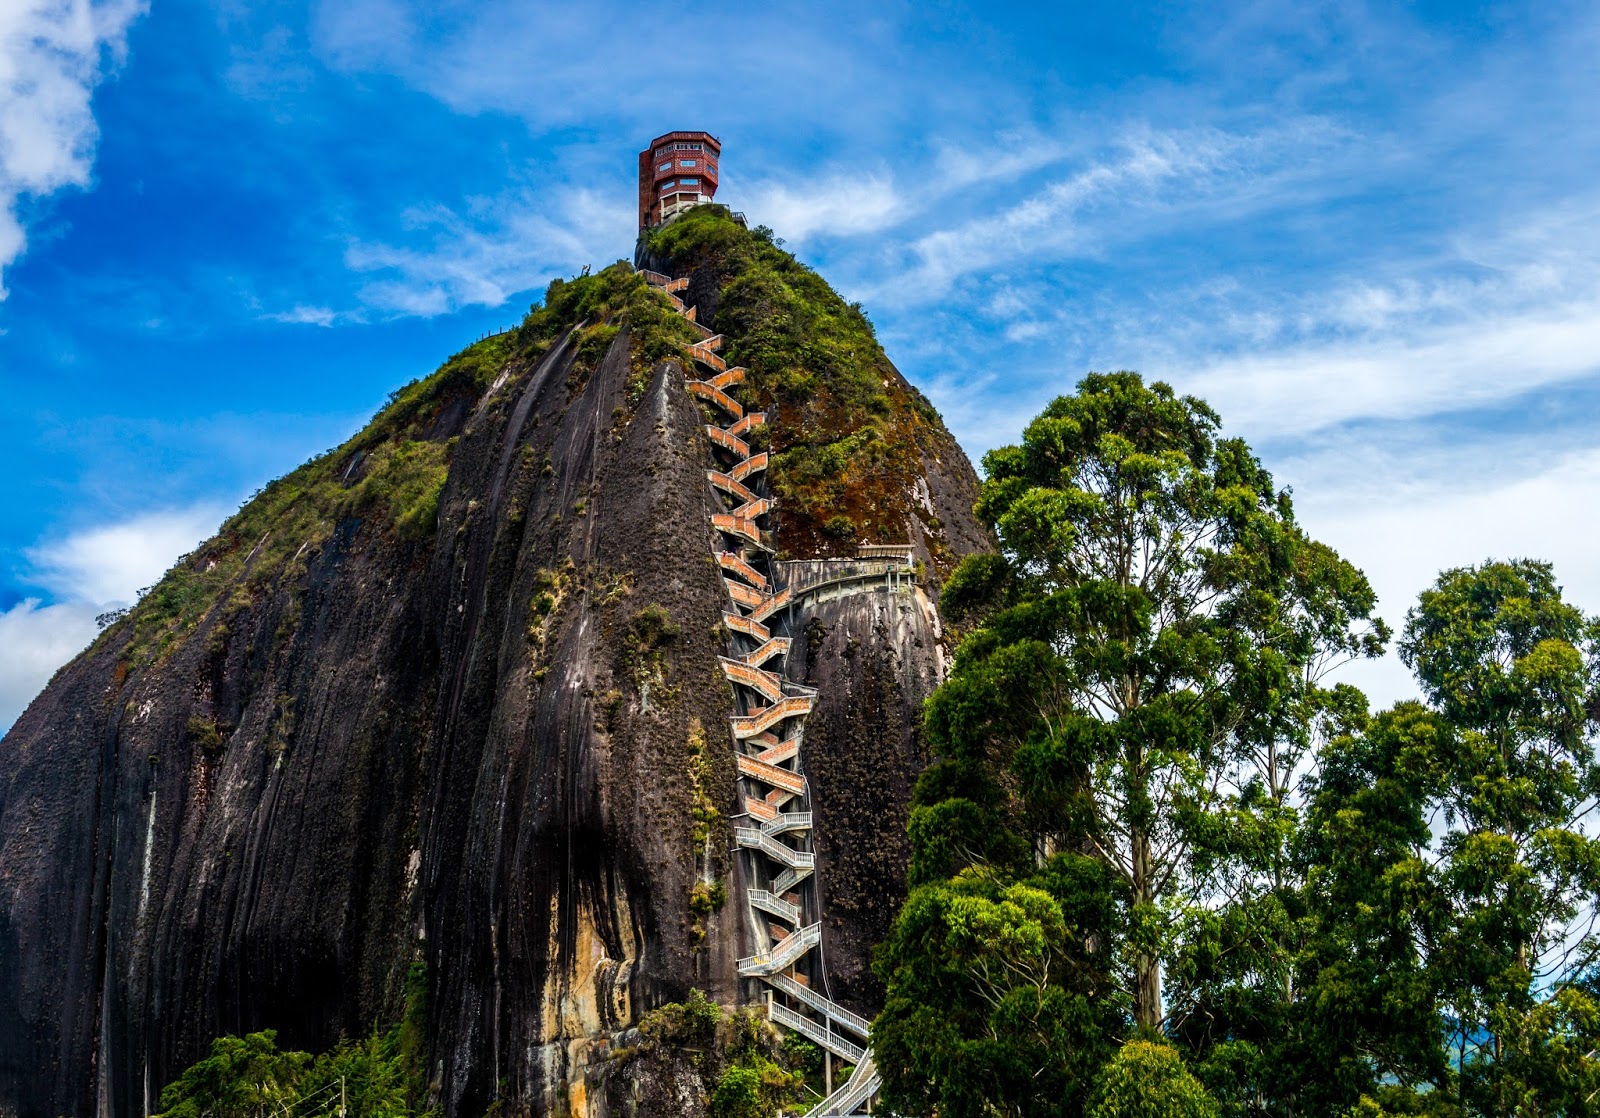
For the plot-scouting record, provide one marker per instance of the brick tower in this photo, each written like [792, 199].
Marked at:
[677, 171]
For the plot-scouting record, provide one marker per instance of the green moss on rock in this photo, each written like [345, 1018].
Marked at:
[848, 433]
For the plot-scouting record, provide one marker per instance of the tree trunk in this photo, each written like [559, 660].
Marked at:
[1147, 992]
[1146, 968]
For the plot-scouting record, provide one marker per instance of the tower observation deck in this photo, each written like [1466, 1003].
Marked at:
[677, 172]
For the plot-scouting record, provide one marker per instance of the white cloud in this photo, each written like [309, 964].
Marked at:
[1403, 537]
[841, 204]
[1501, 316]
[87, 572]
[108, 565]
[1470, 364]
[52, 55]
[483, 257]
[301, 315]
[35, 640]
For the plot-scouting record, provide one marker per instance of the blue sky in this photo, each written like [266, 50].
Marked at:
[1370, 235]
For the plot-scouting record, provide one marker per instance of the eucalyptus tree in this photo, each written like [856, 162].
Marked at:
[1139, 666]
[1511, 670]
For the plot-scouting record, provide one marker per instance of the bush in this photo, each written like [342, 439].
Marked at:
[1147, 1079]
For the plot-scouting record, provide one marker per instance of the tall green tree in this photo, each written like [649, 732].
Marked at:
[1449, 878]
[1168, 621]
[1511, 669]
[1138, 679]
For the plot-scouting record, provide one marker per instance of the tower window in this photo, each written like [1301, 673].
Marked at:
[689, 163]
[662, 168]
[690, 181]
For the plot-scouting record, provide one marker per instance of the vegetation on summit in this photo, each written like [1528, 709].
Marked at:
[848, 433]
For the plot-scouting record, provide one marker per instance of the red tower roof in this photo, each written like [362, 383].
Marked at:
[678, 170]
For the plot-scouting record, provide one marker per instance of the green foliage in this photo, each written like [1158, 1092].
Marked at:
[1148, 1080]
[205, 733]
[1141, 671]
[1448, 860]
[242, 1077]
[650, 632]
[847, 432]
[248, 1077]
[998, 993]
[691, 1023]
[380, 1076]
[750, 1071]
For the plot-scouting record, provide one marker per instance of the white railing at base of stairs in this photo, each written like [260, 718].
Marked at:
[862, 1085]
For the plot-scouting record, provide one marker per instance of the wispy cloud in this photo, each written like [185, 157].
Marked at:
[1405, 538]
[52, 55]
[1140, 185]
[1498, 317]
[484, 256]
[314, 316]
[841, 203]
[108, 564]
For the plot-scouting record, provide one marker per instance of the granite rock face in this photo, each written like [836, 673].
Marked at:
[465, 751]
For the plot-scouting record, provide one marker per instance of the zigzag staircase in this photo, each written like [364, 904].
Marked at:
[767, 736]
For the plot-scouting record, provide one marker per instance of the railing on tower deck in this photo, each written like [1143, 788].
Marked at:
[783, 779]
[812, 578]
[751, 465]
[708, 391]
[728, 442]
